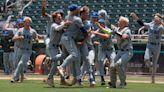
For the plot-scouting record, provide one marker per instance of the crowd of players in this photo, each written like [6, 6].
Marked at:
[78, 40]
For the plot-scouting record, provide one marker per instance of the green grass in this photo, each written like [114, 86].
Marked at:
[39, 86]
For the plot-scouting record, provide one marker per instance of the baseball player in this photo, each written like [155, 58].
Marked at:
[106, 48]
[155, 29]
[19, 24]
[103, 15]
[50, 21]
[94, 40]
[56, 31]
[91, 49]
[82, 45]
[7, 46]
[25, 36]
[124, 52]
[68, 40]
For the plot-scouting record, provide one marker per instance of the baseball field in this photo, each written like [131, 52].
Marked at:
[34, 83]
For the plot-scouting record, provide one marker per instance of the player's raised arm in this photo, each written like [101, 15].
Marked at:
[44, 4]
[135, 17]
[6, 26]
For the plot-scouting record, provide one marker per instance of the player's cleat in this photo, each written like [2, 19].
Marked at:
[111, 85]
[97, 73]
[102, 83]
[45, 80]
[93, 84]
[14, 81]
[121, 86]
[125, 83]
[50, 82]
[67, 77]
[79, 81]
[61, 71]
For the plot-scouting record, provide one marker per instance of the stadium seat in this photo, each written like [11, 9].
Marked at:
[109, 1]
[159, 1]
[144, 9]
[150, 11]
[134, 1]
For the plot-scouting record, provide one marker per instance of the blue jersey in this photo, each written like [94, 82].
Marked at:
[94, 26]
[83, 35]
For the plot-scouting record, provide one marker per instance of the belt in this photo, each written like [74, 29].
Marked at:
[153, 43]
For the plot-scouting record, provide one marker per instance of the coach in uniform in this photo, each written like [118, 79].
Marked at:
[124, 52]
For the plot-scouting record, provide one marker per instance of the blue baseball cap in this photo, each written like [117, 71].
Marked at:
[23, 17]
[19, 21]
[94, 14]
[73, 7]
[101, 21]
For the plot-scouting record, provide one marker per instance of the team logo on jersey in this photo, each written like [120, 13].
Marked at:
[27, 36]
